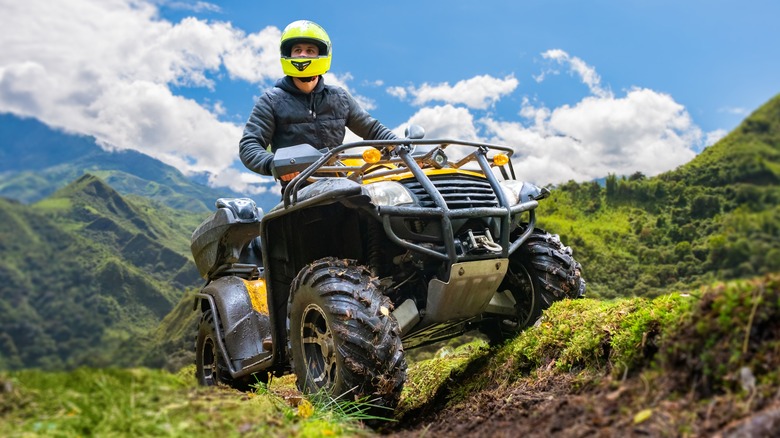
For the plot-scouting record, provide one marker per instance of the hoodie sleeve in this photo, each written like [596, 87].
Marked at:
[257, 136]
[361, 123]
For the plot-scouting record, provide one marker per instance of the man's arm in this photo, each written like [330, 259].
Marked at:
[257, 136]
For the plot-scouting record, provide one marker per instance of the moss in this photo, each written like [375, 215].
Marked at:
[426, 380]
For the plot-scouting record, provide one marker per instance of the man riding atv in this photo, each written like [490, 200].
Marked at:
[377, 246]
[301, 108]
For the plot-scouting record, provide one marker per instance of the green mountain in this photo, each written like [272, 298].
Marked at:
[87, 274]
[36, 160]
[714, 218]
[91, 275]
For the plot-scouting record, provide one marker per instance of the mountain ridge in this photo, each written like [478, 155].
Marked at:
[87, 274]
[36, 161]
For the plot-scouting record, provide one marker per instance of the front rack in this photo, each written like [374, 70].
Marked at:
[397, 155]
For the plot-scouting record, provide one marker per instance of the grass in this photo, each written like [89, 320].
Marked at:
[145, 402]
[669, 342]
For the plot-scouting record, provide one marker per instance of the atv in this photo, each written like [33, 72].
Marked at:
[376, 247]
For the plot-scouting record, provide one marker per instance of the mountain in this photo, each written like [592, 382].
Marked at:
[87, 274]
[36, 160]
[714, 218]
[94, 249]
[748, 155]
[92, 275]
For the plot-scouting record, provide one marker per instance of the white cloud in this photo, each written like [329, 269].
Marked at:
[737, 111]
[399, 92]
[198, 6]
[644, 131]
[478, 92]
[445, 121]
[715, 136]
[577, 67]
[106, 68]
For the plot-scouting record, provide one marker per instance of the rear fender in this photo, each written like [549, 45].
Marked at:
[242, 308]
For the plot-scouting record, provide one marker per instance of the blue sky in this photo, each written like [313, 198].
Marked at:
[579, 88]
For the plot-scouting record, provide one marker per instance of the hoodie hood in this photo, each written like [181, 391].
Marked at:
[286, 83]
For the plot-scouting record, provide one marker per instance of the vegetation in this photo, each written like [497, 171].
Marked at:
[36, 161]
[145, 402]
[670, 359]
[697, 346]
[681, 316]
[717, 217]
[86, 274]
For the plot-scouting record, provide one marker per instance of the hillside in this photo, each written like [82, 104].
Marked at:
[91, 276]
[86, 274]
[36, 161]
[716, 217]
[699, 363]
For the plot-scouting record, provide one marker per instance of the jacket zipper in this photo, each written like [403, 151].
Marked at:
[311, 106]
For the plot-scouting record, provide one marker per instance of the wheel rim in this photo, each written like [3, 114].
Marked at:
[525, 296]
[319, 349]
[209, 363]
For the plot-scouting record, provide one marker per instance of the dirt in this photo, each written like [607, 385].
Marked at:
[692, 387]
[557, 405]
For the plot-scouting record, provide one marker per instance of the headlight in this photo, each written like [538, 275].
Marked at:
[388, 193]
[521, 191]
[512, 190]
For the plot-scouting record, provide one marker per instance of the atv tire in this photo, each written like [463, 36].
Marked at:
[343, 341]
[541, 272]
[210, 365]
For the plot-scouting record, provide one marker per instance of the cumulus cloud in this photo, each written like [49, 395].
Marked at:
[445, 121]
[479, 92]
[106, 68]
[399, 92]
[713, 137]
[643, 131]
[110, 68]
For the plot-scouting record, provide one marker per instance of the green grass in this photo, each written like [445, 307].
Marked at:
[144, 402]
[675, 338]
[715, 331]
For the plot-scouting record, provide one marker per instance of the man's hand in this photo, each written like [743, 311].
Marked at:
[288, 177]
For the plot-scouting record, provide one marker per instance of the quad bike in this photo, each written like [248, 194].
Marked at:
[375, 248]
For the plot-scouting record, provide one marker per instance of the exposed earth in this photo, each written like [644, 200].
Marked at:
[558, 405]
[716, 376]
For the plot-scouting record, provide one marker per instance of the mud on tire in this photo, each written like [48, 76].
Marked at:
[342, 338]
[541, 272]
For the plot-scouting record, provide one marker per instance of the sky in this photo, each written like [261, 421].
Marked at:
[579, 89]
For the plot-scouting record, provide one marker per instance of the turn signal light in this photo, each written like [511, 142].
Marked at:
[371, 155]
[500, 159]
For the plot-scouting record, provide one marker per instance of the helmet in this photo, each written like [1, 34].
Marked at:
[304, 31]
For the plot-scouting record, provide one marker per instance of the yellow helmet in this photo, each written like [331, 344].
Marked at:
[305, 31]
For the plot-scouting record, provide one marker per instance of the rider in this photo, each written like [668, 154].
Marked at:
[300, 108]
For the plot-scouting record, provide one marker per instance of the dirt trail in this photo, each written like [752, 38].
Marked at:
[716, 375]
[559, 406]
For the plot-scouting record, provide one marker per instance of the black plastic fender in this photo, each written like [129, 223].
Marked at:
[242, 309]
